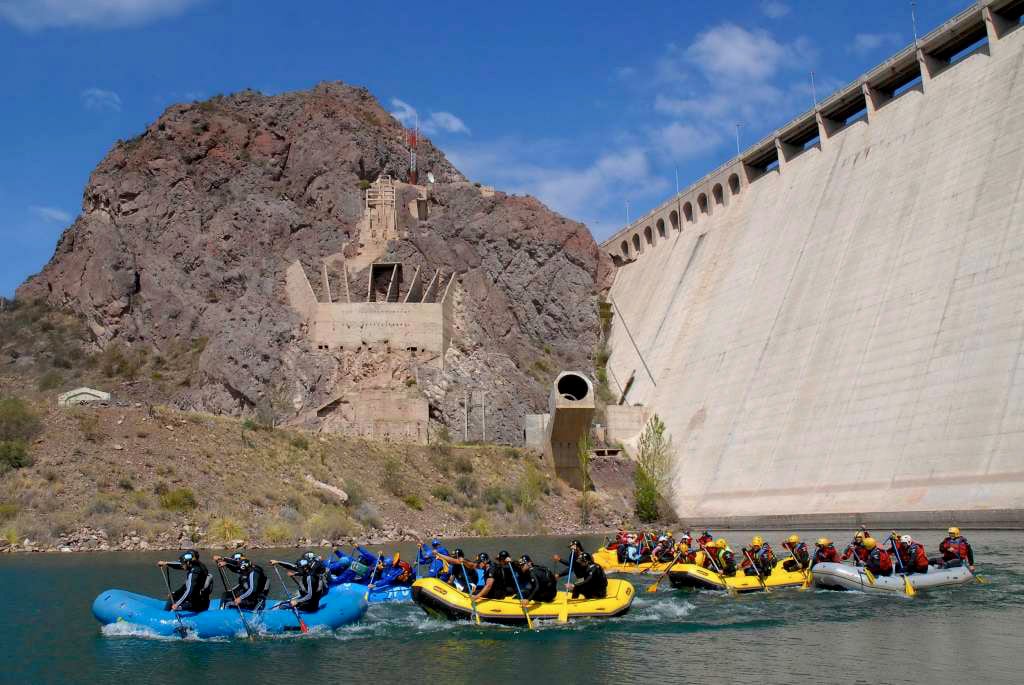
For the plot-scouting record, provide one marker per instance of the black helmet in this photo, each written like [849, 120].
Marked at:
[244, 564]
[525, 559]
[586, 558]
[483, 558]
[458, 553]
[576, 543]
[312, 556]
[237, 556]
[188, 556]
[302, 562]
[503, 555]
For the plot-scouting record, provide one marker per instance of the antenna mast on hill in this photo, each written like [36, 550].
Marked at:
[913, 20]
[814, 92]
[738, 138]
[414, 135]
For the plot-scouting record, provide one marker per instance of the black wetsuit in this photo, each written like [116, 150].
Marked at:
[538, 584]
[311, 585]
[194, 595]
[503, 585]
[251, 589]
[576, 565]
[593, 584]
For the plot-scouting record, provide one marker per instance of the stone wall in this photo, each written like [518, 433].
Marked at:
[845, 333]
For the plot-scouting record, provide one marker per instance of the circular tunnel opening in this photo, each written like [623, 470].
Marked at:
[573, 387]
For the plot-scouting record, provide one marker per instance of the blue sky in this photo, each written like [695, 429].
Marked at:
[584, 104]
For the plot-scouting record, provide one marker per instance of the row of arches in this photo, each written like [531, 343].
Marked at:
[636, 243]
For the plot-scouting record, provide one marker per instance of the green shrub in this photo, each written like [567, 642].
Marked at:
[413, 502]
[480, 525]
[126, 484]
[51, 380]
[364, 184]
[14, 455]
[277, 533]
[443, 493]
[330, 523]
[392, 480]
[180, 499]
[463, 464]
[8, 510]
[466, 485]
[250, 425]
[645, 495]
[18, 421]
[369, 515]
[102, 505]
[225, 529]
[300, 442]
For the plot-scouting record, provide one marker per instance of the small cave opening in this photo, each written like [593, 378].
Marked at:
[573, 387]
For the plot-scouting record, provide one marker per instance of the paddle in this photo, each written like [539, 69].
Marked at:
[806, 571]
[248, 630]
[654, 586]
[753, 564]
[907, 587]
[563, 612]
[721, 573]
[167, 582]
[302, 624]
[522, 601]
[374, 574]
[852, 547]
[469, 591]
[982, 581]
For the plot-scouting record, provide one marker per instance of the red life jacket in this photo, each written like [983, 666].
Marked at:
[918, 557]
[826, 554]
[954, 548]
[879, 562]
[856, 550]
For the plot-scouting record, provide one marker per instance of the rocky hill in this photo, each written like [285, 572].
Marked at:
[187, 230]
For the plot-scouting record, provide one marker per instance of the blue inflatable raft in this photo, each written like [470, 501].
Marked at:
[402, 593]
[343, 604]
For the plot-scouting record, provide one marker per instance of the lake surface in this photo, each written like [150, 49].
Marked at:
[974, 634]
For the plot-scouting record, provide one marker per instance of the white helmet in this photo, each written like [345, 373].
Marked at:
[906, 539]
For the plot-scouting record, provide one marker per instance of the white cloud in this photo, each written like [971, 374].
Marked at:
[729, 51]
[99, 100]
[866, 43]
[33, 15]
[433, 123]
[774, 9]
[685, 141]
[50, 214]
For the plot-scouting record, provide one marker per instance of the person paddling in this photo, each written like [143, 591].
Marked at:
[856, 550]
[911, 553]
[194, 594]
[251, 589]
[955, 551]
[878, 561]
[436, 566]
[759, 559]
[825, 552]
[538, 583]
[575, 553]
[310, 581]
[801, 557]
[592, 583]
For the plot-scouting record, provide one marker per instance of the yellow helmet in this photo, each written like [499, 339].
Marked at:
[720, 542]
[859, 535]
[824, 542]
[954, 531]
[757, 541]
[793, 539]
[869, 543]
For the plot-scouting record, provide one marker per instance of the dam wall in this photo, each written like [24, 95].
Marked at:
[833, 322]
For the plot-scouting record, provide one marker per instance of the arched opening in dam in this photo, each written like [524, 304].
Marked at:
[702, 203]
[661, 228]
[688, 212]
[719, 194]
[624, 249]
[734, 184]
[636, 243]
[648, 235]
[673, 219]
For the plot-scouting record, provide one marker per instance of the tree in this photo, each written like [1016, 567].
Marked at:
[583, 448]
[652, 467]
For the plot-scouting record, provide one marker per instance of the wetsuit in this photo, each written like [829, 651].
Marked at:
[355, 569]
[575, 567]
[801, 558]
[593, 584]
[251, 589]
[827, 554]
[538, 584]
[194, 595]
[458, 579]
[311, 586]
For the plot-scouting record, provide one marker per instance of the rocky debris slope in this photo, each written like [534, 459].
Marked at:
[186, 232]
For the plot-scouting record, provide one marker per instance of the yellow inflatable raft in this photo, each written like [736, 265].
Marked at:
[441, 599]
[694, 576]
[609, 561]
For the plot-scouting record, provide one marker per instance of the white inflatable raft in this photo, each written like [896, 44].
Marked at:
[846, 577]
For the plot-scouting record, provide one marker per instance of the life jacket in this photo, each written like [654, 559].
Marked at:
[856, 550]
[406, 574]
[954, 549]
[827, 554]
[918, 557]
[879, 562]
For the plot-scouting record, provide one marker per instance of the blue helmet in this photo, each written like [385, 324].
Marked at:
[345, 560]
[435, 543]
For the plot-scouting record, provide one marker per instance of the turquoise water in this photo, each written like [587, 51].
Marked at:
[968, 635]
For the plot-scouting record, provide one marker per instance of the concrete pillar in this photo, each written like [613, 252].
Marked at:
[930, 66]
[327, 284]
[826, 127]
[873, 99]
[570, 412]
[996, 26]
[786, 152]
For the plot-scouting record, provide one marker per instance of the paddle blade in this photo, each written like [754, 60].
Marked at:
[870, 576]
[563, 612]
[908, 587]
[653, 587]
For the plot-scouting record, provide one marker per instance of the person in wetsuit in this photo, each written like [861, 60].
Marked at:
[252, 587]
[194, 594]
[437, 567]
[955, 551]
[801, 557]
[576, 552]
[537, 582]
[759, 559]
[592, 583]
[310, 581]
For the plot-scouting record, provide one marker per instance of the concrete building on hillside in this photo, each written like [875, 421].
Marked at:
[831, 324]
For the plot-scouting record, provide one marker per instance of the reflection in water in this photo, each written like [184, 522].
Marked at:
[968, 635]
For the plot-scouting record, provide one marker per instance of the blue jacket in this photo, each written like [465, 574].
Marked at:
[426, 556]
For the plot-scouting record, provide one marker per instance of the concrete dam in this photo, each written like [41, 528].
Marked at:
[832, 323]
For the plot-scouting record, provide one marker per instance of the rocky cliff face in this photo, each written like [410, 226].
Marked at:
[186, 232]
